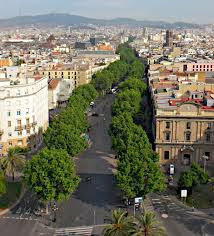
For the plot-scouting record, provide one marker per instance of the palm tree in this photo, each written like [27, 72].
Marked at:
[120, 224]
[13, 161]
[148, 225]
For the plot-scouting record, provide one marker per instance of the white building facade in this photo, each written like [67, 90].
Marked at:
[23, 112]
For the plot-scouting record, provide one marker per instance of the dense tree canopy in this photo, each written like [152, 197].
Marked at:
[51, 175]
[193, 177]
[138, 171]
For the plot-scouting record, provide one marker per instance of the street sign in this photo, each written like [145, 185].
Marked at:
[138, 199]
[183, 193]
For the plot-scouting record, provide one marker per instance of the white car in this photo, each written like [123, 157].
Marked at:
[171, 169]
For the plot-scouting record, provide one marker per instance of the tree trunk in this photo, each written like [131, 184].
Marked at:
[13, 176]
[46, 211]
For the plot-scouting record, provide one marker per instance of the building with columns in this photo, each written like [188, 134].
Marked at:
[184, 132]
[183, 117]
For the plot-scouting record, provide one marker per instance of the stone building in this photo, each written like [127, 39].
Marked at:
[184, 132]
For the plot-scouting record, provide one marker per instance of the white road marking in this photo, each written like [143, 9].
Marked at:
[78, 231]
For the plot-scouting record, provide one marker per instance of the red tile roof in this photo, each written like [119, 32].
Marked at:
[53, 84]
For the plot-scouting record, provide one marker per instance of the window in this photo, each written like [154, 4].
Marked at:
[9, 113]
[10, 144]
[27, 110]
[208, 137]
[26, 92]
[19, 122]
[19, 133]
[209, 125]
[10, 134]
[167, 125]
[18, 112]
[8, 103]
[167, 136]
[188, 136]
[166, 155]
[188, 125]
[9, 123]
[26, 101]
[8, 93]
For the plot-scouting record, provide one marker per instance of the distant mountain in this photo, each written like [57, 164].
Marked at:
[66, 19]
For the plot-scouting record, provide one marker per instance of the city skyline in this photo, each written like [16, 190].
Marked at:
[192, 11]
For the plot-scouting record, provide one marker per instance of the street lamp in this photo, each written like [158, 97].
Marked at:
[205, 159]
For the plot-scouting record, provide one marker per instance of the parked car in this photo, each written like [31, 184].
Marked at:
[171, 169]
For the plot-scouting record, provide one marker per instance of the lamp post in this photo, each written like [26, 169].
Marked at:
[205, 159]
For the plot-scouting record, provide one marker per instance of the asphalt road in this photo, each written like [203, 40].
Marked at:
[181, 220]
[93, 200]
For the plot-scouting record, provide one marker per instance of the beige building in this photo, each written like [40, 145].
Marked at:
[184, 132]
[80, 74]
[183, 111]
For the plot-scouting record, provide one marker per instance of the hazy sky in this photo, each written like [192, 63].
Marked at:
[200, 11]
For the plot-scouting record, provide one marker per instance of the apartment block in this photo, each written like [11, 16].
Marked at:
[24, 112]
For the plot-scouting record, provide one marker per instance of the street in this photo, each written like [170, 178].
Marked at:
[94, 198]
[181, 219]
[96, 195]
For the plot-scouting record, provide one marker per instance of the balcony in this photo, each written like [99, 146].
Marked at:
[27, 127]
[19, 128]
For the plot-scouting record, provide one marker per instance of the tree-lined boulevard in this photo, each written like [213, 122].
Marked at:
[80, 184]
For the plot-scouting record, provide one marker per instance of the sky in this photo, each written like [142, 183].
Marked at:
[198, 11]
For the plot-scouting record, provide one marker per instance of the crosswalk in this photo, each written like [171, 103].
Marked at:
[165, 204]
[77, 231]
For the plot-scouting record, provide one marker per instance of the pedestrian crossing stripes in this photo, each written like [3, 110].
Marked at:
[77, 231]
[19, 218]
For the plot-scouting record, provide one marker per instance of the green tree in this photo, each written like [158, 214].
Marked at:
[193, 177]
[67, 137]
[2, 184]
[128, 100]
[198, 175]
[185, 181]
[120, 224]
[51, 175]
[102, 81]
[13, 162]
[148, 225]
[133, 83]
